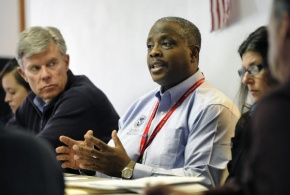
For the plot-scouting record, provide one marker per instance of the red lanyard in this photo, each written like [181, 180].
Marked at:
[144, 144]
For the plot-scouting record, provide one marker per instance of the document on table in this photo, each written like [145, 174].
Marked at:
[191, 184]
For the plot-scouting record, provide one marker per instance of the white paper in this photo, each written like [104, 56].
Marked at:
[138, 185]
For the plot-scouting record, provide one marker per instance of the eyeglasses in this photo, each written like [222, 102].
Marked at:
[252, 70]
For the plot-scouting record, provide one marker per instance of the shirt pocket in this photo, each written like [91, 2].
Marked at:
[167, 148]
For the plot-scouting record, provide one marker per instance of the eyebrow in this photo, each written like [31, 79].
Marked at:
[48, 61]
[164, 36]
[9, 89]
[252, 64]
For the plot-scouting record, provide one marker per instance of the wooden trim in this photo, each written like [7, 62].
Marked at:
[22, 15]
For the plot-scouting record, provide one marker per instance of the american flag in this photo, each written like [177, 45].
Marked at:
[220, 12]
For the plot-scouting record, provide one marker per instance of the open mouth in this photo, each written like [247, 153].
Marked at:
[156, 66]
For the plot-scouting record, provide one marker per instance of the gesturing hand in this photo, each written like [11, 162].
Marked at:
[66, 153]
[105, 159]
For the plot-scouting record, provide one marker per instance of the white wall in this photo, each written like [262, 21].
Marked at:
[107, 39]
[9, 27]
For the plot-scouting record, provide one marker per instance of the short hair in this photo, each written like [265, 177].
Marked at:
[37, 39]
[188, 30]
[11, 66]
[257, 42]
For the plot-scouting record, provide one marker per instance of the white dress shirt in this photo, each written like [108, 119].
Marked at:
[195, 140]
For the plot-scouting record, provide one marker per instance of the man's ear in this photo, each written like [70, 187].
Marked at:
[22, 73]
[66, 60]
[194, 53]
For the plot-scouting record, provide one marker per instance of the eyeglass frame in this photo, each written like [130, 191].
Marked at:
[252, 70]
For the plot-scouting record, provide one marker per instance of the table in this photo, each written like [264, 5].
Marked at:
[70, 179]
[86, 185]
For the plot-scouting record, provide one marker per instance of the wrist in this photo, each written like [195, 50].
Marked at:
[127, 172]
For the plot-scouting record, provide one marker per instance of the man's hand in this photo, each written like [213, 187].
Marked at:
[108, 160]
[66, 153]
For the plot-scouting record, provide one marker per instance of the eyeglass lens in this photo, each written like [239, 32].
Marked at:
[252, 70]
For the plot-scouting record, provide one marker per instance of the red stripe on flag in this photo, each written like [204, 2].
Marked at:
[218, 14]
[211, 14]
[220, 10]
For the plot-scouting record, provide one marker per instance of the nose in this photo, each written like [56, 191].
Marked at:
[155, 52]
[247, 79]
[8, 98]
[45, 74]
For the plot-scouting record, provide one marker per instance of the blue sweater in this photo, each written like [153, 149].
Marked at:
[79, 108]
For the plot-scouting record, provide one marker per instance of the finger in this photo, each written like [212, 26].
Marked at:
[87, 160]
[68, 141]
[66, 164]
[62, 149]
[90, 167]
[97, 142]
[63, 157]
[117, 142]
[92, 164]
[90, 132]
[89, 163]
[86, 151]
[87, 142]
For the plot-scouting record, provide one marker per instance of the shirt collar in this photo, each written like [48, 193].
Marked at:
[177, 91]
[39, 103]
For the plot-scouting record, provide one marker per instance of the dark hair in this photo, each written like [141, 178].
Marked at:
[188, 30]
[257, 41]
[12, 66]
